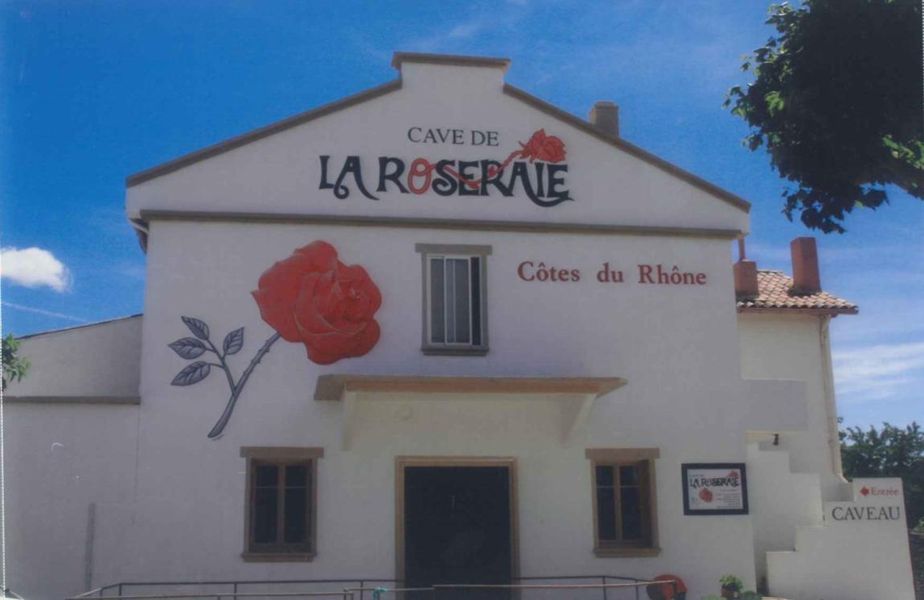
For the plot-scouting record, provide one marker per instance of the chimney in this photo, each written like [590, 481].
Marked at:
[605, 117]
[745, 274]
[805, 276]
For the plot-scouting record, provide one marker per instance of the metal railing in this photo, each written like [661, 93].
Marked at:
[374, 588]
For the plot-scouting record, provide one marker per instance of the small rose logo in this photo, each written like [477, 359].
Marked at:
[313, 298]
[705, 495]
[310, 298]
[864, 490]
[543, 147]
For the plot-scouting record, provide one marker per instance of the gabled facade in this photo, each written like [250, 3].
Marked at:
[437, 332]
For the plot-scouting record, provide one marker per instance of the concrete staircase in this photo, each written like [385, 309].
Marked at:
[807, 548]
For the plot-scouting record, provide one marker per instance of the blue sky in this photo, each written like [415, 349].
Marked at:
[94, 91]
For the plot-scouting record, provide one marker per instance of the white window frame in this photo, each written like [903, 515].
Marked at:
[444, 252]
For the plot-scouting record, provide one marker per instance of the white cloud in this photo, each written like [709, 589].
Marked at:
[450, 40]
[43, 312]
[878, 372]
[34, 267]
[465, 30]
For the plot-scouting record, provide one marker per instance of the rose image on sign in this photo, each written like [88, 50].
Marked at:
[705, 495]
[310, 298]
[543, 147]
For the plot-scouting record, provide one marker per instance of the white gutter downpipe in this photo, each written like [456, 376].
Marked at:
[834, 442]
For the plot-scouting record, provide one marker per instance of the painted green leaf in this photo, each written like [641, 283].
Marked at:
[199, 328]
[234, 341]
[188, 347]
[193, 373]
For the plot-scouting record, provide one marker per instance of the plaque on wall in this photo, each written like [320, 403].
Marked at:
[714, 489]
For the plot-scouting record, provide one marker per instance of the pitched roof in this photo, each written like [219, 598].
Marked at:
[402, 57]
[774, 295]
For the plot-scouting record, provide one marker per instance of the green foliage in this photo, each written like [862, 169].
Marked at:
[891, 452]
[733, 584]
[15, 367]
[730, 582]
[837, 101]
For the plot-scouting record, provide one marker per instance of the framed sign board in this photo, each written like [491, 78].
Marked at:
[714, 489]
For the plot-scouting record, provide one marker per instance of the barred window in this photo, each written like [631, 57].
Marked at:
[454, 299]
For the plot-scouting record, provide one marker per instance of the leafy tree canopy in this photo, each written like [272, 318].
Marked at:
[891, 452]
[837, 101]
[14, 366]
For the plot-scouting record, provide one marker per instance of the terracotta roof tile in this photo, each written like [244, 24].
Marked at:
[774, 295]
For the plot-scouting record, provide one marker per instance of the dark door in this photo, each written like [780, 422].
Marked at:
[457, 526]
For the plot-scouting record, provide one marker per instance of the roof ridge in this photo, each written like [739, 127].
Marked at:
[459, 60]
[81, 326]
[371, 93]
[775, 295]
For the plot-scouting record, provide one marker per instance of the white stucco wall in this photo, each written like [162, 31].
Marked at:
[785, 346]
[683, 397]
[60, 458]
[96, 361]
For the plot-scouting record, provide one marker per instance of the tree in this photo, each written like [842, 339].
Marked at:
[837, 101]
[15, 367]
[892, 452]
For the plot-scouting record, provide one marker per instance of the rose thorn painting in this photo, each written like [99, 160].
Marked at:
[310, 298]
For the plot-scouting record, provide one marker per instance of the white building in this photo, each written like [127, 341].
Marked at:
[464, 337]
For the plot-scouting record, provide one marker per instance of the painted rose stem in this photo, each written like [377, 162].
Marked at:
[237, 388]
[310, 298]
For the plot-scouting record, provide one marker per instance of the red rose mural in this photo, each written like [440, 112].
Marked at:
[313, 298]
[310, 298]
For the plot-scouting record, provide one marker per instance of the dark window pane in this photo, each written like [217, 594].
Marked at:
[296, 476]
[267, 475]
[449, 299]
[631, 509]
[476, 300]
[606, 514]
[460, 296]
[437, 308]
[628, 475]
[296, 525]
[604, 475]
[264, 515]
